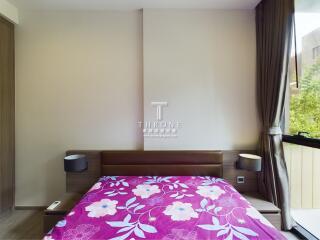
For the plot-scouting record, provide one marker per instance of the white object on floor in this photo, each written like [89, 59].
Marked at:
[54, 205]
[308, 218]
[290, 236]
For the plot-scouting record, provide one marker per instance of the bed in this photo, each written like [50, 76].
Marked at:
[195, 204]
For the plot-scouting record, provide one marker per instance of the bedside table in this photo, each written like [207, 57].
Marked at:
[51, 217]
[267, 209]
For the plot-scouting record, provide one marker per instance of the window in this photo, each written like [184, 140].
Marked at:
[302, 114]
[303, 107]
[316, 52]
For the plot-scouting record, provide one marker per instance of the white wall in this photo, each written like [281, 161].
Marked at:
[203, 64]
[78, 86]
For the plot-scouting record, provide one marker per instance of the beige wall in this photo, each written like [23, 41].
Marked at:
[203, 64]
[78, 86]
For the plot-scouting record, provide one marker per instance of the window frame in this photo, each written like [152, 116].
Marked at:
[316, 52]
[301, 140]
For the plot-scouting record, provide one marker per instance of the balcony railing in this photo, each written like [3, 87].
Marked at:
[303, 165]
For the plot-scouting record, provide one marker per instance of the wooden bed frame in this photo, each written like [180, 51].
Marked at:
[148, 163]
[211, 163]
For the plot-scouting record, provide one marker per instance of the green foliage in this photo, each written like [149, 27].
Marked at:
[305, 106]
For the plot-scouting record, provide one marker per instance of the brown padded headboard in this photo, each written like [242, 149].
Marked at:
[159, 163]
[181, 163]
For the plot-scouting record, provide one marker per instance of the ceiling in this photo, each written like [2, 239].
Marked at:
[131, 4]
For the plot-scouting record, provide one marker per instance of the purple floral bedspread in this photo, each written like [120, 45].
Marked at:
[167, 208]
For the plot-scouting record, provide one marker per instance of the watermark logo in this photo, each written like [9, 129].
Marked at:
[160, 127]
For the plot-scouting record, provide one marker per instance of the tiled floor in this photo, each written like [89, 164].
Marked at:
[309, 219]
[27, 224]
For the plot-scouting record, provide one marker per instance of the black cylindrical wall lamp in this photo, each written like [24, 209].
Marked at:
[75, 163]
[249, 162]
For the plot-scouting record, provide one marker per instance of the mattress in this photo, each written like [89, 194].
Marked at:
[167, 208]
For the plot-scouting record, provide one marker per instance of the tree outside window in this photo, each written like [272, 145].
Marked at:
[304, 113]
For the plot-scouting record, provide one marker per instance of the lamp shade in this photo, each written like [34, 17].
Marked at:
[75, 163]
[249, 162]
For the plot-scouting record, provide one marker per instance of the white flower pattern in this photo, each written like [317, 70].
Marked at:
[102, 208]
[212, 192]
[181, 234]
[71, 213]
[145, 190]
[253, 213]
[81, 232]
[167, 208]
[48, 238]
[180, 211]
[95, 186]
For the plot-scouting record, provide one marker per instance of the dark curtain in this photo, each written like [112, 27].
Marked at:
[274, 22]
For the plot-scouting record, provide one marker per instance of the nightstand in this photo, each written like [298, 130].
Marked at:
[51, 217]
[267, 209]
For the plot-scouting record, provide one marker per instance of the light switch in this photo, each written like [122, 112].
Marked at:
[240, 179]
